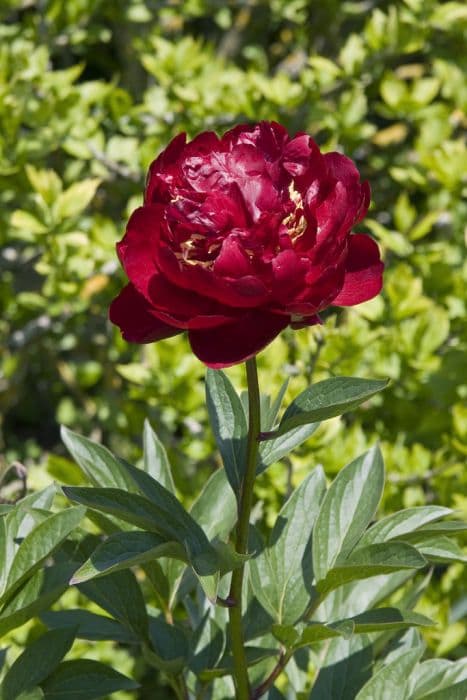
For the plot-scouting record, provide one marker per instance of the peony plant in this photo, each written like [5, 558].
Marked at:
[238, 238]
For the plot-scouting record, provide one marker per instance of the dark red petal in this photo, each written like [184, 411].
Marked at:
[305, 321]
[296, 154]
[289, 272]
[136, 249]
[342, 168]
[232, 260]
[244, 292]
[237, 342]
[184, 308]
[268, 137]
[363, 272]
[364, 203]
[132, 314]
[164, 171]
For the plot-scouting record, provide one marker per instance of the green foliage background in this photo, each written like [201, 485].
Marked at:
[92, 90]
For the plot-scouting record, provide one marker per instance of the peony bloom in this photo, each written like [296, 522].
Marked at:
[241, 236]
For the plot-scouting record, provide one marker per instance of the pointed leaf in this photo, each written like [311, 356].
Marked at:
[346, 667]
[208, 645]
[458, 691]
[96, 461]
[120, 595]
[167, 517]
[439, 549]
[327, 399]
[402, 523]
[371, 561]
[124, 550]
[39, 544]
[36, 662]
[85, 679]
[391, 681]
[313, 633]
[37, 594]
[347, 508]
[169, 646]
[271, 415]
[88, 625]
[229, 425]
[76, 198]
[156, 462]
[383, 619]
[436, 675]
[273, 449]
[215, 509]
[281, 575]
[364, 594]
[447, 527]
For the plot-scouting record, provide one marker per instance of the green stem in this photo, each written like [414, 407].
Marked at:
[240, 674]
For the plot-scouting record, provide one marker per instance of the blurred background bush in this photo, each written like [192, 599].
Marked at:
[92, 90]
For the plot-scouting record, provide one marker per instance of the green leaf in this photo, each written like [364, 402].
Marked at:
[364, 594]
[75, 199]
[402, 523]
[36, 662]
[346, 667]
[96, 461]
[120, 595]
[88, 625]
[215, 509]
[384, 619]
[45, 182]
[347, 508]
[328, 399]
[282, 573]
[36, 595]
[167, 517]
[169, 646]
[437, 675]
[439, 549]
[124, 550]
[39, 499]
[156, 462]
[376, 559]
[269, 417]
[39, 544]
[229, 425]
[34, 694]
[254, 655]
[207, 645]
[391, 681]
[447, 526]
[273, 449]
[85, 679]
[313, 633]
[25, 221]
[458, 691]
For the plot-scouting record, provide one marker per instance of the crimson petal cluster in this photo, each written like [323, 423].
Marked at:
[241, 236]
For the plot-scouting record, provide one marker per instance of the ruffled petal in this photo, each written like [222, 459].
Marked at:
[289, 275]
[185, 308]
[136, 249]
[132, 314]
[164, 172]
[237, 342]
[245, 292]
[363, 272]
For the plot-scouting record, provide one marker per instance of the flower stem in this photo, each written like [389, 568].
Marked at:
[240, 674]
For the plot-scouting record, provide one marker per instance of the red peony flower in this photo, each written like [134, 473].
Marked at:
[241, 236]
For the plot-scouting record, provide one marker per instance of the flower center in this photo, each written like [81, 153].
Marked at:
[197, 250]
[295, 221]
